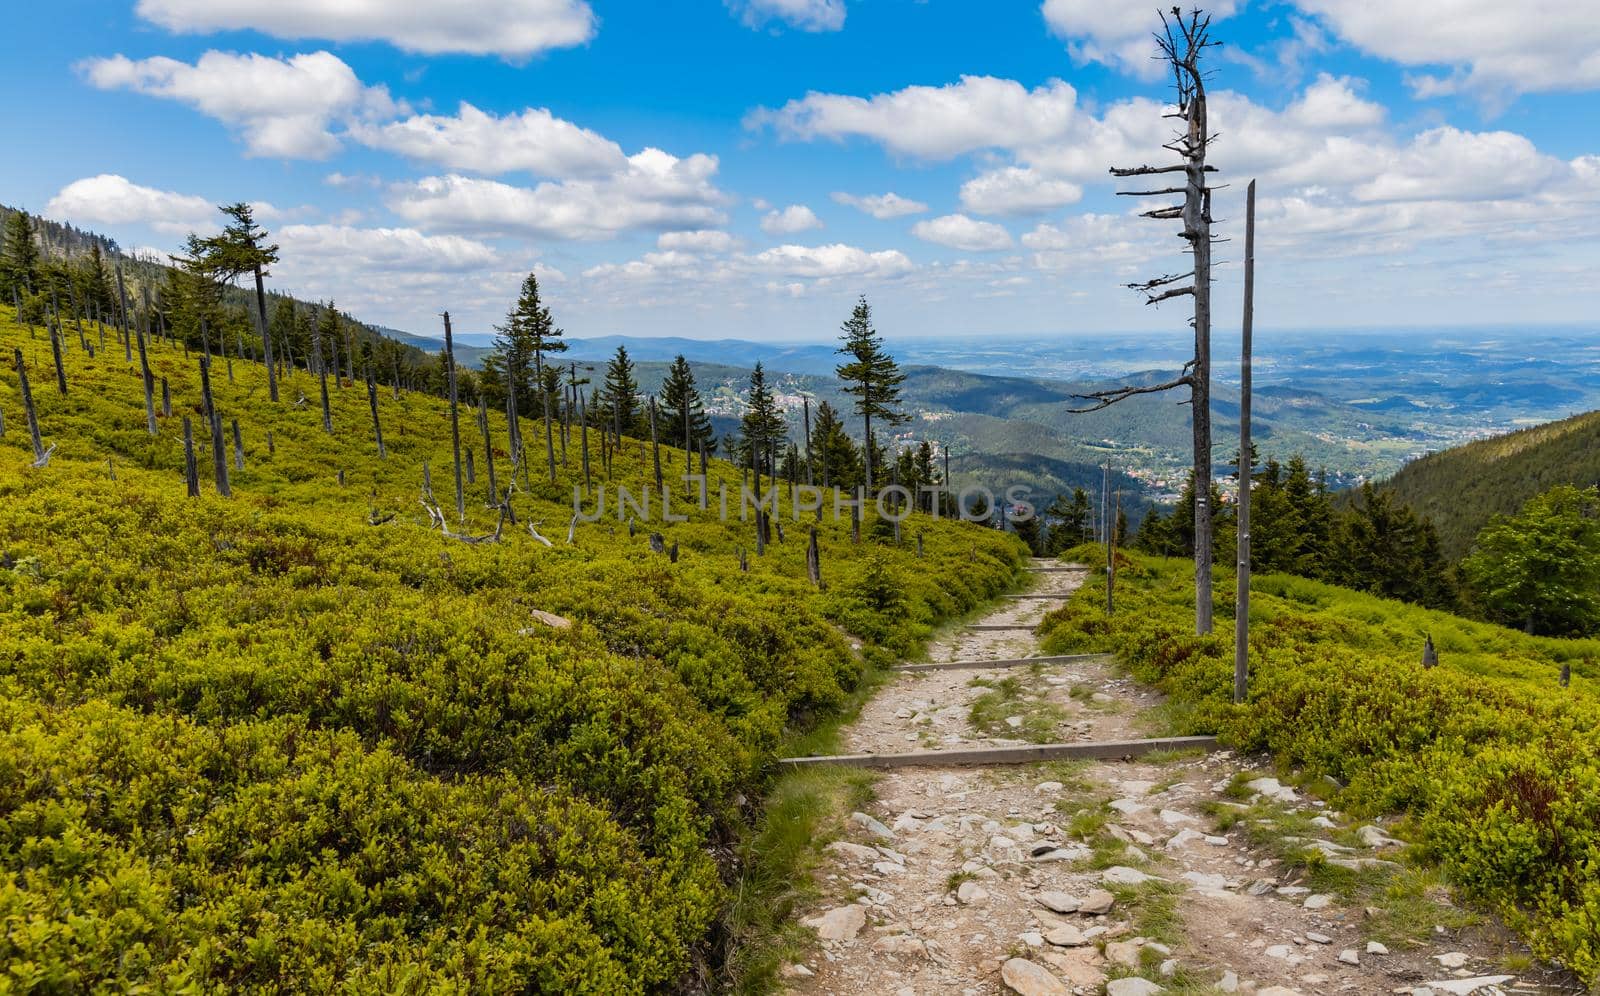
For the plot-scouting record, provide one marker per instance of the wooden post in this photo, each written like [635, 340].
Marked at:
[1241, 611]
[455, 419]
[372, 402]
[28, 410]
[191, 473]
[238, 447]
[219, 455]
[488, 445]
[55, 352]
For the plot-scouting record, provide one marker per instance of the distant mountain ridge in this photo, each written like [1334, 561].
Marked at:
[1463, 487]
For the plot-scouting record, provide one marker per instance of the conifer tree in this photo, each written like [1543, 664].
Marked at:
[871, 377]
[684, 409]
[241, 248]
[619, 395]
[763, 426]
[19, 258]
[838, 459]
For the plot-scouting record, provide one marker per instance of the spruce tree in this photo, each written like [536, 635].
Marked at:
[762, 425]
[838, 459]
[619, 397]
[871, 377]
[19, 259]
[683, 409]
[241, 248]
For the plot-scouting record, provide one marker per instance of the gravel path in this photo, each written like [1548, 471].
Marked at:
[1064, 878]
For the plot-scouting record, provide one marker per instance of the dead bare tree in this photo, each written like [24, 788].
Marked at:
[41, 456]
[455, 418]
[1182, 43]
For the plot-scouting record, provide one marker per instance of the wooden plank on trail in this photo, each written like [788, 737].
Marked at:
[1007, 662]
[1013, 754]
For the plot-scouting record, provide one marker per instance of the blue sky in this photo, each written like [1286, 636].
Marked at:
[722, 169]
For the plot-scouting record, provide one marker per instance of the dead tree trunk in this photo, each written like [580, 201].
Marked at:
[266, 336]
[1241, 614]
[149, 381]
[55, 353]
[655, 445]
[219, 455]
[191, 472]
[322, 369]
[372, 402]
[30, 412]
[1182, 44]
[166, 399]
[814, 560]
[455, 418]
[238, 447]
[122, 295]
[488, 445]
[583, 428]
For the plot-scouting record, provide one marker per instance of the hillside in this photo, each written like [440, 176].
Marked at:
[1489, 762]
[1461, 488]
[305, 739]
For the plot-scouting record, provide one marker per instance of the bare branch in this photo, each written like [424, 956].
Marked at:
[1105, 399]
[1168, 295]
[1148, 285]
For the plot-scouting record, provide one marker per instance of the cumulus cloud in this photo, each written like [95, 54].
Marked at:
[1487, 46]
[807, 15]
[979, 112]
[960, 232]
[1114, 34]
[384, 249]
[792, 219]
[837, 260]
[1017, 190]
[109, 199]
[515, 29]
[535, 140]
[703, 241]
[881, 206]
[656, 191]
[280, 107]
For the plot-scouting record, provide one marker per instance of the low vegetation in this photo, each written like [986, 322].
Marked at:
[1495, 765]
[300, 739]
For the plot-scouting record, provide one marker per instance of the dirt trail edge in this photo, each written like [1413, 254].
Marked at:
[1189, 873]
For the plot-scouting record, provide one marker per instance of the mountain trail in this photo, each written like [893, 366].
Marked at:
[1178, 873]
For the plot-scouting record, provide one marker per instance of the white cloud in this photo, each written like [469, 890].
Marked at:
[656, 191]
[1115, 34]
[837, 260]
[881, 206]
[807, 15]
[1490, 46]
[705, 241]
[792, 219]
[514, 29]
[281, 107]
[1015, 190]
[979, 112]
[382, 249]
[535, 140]
[1448, 164]
[109, 199]
[960, 232]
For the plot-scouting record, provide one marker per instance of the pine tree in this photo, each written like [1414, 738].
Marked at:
[241, 248]
[619, 397]
[683, 409]
[871, 377]
[19, 259]
[763, 426]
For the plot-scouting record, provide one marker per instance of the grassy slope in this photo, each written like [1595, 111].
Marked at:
[1495, 765]
[1461, 488]
[262, 743]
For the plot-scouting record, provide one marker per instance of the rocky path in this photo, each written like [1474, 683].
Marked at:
[1179, 874]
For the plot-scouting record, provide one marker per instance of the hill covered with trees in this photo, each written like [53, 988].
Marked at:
[1461, 488]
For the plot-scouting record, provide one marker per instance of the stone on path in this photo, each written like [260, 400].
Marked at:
[872, 826]
[1123, 953]
[1079, 966]
[1374, 837]
[1059, 902]
[858, 851]
[1132, 987]
[1277, 991]
[1123, 875]
[1066, 936]
[1349, 956]
[970, 892]
[840, 924]
[1465, 987]
[1272, 789]
[901, 944]
[1097, 902]
[1374, 948]
[1023, 976]
[1318, 902]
